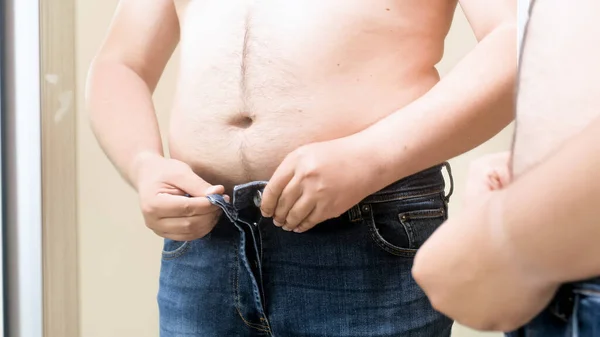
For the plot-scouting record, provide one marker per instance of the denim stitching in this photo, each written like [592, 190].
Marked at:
[252, 325]
[408, 228]
[238, 300]
[237, 292]
[261, 244]
[405, 218]
[399, 196]
[177, 252]
[386, 246]
[236, 278]
[423, 214]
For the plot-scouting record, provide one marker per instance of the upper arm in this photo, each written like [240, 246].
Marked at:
[487, 15]
[142, 36]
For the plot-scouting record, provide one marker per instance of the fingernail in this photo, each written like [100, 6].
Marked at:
[276, 223]
[297, 230]
[287, 229]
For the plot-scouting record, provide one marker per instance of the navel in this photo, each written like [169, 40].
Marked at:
[242, 121]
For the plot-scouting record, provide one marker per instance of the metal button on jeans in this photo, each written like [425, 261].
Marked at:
[257, 198]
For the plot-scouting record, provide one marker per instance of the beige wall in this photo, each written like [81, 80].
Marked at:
[119, 258]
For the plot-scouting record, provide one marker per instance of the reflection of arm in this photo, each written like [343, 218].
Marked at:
[468, 106]
[551, 214]
[122, 78]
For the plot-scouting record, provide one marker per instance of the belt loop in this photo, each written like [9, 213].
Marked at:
[575, 317]
[563, 304]
[354, 213]
[449, 169]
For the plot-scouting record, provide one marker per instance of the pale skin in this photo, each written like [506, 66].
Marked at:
[500, 262]
[328, 108]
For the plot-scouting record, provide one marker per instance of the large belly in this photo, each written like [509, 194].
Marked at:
[555, 101]
[257, 82]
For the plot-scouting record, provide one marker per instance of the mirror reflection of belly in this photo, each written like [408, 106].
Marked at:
[259, 79]
[557, 94]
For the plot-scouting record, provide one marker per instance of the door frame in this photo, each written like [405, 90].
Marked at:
[22, 170]
[59, 168]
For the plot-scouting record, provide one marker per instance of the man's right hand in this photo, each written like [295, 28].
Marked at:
[162, 185]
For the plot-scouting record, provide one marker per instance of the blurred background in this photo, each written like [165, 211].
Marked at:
[112, 259]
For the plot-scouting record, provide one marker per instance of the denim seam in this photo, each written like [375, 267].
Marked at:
[237, 292]
[423, 214]
[386, 246]
[236, 279]
[261, 245]
[398, 196]
[177, 252]
[252, 325]
[260, 258]
[406, 217]
[237, 286]
[408, 229]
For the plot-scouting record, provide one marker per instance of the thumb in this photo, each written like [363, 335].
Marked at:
[215, 189]
[193, 185]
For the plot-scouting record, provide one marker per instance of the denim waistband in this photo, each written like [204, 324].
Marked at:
[426, 182]
[564, 301]
[592, 284]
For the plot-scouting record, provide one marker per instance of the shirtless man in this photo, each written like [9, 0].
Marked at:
[524, 255]
[338, 105]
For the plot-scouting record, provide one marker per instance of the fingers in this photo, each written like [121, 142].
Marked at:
[188, 181]
[215, 189]
[299, 213]
[168, 206]
[310, 221]
[282, 176]
[187, 228]
[291, 193]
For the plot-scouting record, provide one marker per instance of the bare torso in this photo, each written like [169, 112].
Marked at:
[260, 78]
[561, 37]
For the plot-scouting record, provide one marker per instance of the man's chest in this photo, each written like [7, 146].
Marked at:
[309, 24]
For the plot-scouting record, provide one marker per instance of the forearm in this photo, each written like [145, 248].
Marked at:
[122, 116]
[467, 107]
[550, 215]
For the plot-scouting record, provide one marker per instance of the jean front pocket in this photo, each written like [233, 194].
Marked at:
[175, 249]
[401, 227]
[420, 224]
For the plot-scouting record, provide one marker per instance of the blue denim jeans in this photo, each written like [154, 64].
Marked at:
[574, 312]
[348, 276]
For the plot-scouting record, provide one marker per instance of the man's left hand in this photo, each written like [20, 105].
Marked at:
[317, 182]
